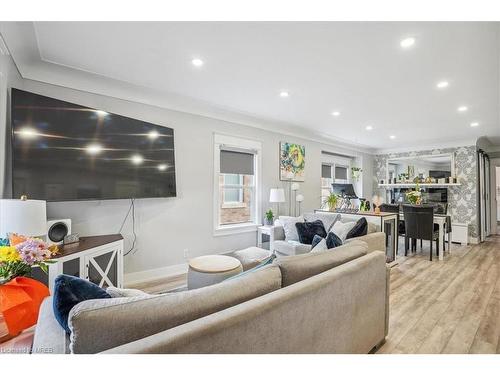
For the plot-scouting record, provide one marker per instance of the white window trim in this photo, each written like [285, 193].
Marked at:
[244, 144]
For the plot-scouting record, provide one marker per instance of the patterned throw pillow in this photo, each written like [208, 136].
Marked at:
[332, 240]
[318, 244]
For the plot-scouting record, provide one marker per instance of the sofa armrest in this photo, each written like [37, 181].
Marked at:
[375, 241]
[50, 337]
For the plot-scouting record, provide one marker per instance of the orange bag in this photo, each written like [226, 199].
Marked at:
[20, 300]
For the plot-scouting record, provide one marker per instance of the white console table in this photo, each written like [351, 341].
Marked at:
[98, 259]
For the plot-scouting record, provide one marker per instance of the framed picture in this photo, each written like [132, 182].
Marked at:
[292, 162]
[411, 171]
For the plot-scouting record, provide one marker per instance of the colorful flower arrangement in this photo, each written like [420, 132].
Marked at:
[18, 254]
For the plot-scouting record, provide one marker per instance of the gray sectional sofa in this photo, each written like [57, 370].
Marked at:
[334, 301]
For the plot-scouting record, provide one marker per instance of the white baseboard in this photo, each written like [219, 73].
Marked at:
[156, 273]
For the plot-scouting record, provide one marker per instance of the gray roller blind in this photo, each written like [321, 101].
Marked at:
[236, 162]
[340, 173]
[326, 171]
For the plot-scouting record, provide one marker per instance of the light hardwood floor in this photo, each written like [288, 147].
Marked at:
[449, 306]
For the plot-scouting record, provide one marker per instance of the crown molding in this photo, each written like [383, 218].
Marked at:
[428, 146]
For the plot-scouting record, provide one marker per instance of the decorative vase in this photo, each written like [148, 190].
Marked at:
[268, 222]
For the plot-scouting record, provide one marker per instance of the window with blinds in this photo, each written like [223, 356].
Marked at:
[236, 186]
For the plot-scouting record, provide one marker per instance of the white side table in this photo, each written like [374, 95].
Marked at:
[268, 230]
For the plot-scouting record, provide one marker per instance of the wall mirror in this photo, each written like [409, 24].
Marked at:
[424, 167]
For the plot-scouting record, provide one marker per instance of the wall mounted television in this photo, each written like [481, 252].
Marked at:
[64, 152]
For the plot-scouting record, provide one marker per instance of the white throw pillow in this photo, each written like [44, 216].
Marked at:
[288, 223]
[341, 229]
[321, 246]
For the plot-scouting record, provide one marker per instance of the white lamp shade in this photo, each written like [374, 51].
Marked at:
[27, 218]
[295, 186]
[299, 198]
[277, 196]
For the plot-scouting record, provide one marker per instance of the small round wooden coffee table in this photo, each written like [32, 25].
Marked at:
[211, 269]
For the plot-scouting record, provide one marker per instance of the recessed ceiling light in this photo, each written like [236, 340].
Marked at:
[197, 62]
[162, 167]
[369, 127]
[392, 137]
[284, 94]
[474, 124]
[336, 113]
[137, 159]
[153, 134]
[27, 133]
[442, 84]
[407, 42]
[101, 113]
[93, 149]
[462, 108]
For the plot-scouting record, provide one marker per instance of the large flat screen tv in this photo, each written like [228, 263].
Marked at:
[64, 152]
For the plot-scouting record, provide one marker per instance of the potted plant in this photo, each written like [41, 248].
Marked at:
[414, 196]
[356, 173]
[331, 202]
[269, 217]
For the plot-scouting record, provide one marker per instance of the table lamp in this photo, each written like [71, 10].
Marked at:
[27, 217]
[277, 196]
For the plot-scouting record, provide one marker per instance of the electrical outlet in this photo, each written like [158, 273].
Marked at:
[186, 253]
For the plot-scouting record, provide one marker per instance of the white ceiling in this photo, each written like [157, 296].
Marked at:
[357, 68]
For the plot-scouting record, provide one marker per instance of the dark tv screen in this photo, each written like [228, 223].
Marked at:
[64, 152]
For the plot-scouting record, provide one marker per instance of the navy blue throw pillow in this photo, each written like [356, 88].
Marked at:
[308, 229]
[360, 229]
[332, 240]
[68, 292]
[316, 240]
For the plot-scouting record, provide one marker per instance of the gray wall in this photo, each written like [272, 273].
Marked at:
[165, 227]
[462, 199]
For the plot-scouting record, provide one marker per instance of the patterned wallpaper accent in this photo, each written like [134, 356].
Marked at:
[463, 206]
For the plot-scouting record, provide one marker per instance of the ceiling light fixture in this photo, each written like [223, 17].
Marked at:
[474, 124]
[392, 137]
[162, 167]
[442, 84]
[101, 113]
[336, 113]
[197, 62]
[369, 127]
[153, 134]
[137, 159]
[407, 42]
[284, 94]
[462, 108]
[27, 133]
[93, 149]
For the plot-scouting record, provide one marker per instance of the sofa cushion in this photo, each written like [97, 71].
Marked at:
[359, 229]
[341, 229]
[307, 230]
[300, 267]
[127, 319]
[68, 292]
[250, 257]
[288, 223]
[291, 247]
[332, 241]
[328, 219]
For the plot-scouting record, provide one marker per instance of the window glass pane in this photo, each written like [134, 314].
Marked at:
[326, 171]
[231, 179]
[236, 212]
[340, 173]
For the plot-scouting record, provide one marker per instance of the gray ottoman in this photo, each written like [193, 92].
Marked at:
[211, 269]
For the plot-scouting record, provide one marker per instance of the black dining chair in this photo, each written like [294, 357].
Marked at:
[389, 207]
[419, 225]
